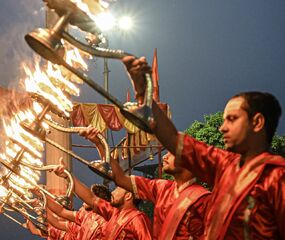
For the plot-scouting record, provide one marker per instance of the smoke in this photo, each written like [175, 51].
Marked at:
[17, 17]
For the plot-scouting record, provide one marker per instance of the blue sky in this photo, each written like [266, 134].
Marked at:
[207, 52]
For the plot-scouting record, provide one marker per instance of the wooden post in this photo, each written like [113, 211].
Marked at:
[55, 184]
[159, 162]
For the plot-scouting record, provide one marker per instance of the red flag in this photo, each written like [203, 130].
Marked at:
[128, 96]
[155, 77]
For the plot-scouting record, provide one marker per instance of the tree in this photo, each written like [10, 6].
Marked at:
[278, 145]
[208, 130]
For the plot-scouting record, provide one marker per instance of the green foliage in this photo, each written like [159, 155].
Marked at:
[167, 176]
[278, 145]
[208, 131]
[147, 208]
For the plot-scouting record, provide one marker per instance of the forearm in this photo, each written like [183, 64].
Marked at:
[55, 222]
[165, 131]
[34, 230]
[60, 210]
[83, 192]
[119, 176]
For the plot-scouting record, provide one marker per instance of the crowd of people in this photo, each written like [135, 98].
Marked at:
[247, 181]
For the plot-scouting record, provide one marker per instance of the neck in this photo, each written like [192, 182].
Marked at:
[182, 178]
[127, 205]
[253, 152]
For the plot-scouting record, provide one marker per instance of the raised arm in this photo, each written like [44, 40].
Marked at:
[164, 130]
[118, 174]
[34, 230]
[56, 222]
[60, 210]
[204, 161]
[99, 205]
[91, 133]
[82, 191]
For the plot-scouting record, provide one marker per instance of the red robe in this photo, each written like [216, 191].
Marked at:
[56, 234]
[163, 193]
[90, 223]
[123, 224]
[247, 202]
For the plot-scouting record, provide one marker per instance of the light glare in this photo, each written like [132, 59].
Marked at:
[105, 21]
[125, 23]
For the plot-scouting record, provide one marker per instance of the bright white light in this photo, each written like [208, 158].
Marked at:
[105, 21]
[125, 23]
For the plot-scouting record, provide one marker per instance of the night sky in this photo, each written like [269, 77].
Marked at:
[207, 52]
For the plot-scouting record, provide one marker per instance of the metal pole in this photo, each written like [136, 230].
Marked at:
[159, 162]
[106, 78]
[129, 154]
[106, 83]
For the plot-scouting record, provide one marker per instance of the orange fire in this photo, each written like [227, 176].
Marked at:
[23, 149]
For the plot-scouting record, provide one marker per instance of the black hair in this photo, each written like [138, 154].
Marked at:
[266, 104]
[101, 191]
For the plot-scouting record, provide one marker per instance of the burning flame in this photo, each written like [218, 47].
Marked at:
[23, 149]
[3, 192]
[21, 136]
[40, 83]
[91, 7]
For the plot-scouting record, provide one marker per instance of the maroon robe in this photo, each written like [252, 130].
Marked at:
[247, 202]
[125, 224]
[90, 223]
[163, 194]
[56, 234]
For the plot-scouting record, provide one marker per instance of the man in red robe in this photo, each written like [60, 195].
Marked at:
[248, 199]
[91, 223]
[52, 232]
[180, 203]
[124, 221]
[57, 234]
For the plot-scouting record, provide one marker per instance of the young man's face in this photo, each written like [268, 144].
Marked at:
[118, 197]
[236, 127]
[169, 164]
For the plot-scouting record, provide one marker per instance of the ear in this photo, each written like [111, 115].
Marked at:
[128, 196]
[258, 122]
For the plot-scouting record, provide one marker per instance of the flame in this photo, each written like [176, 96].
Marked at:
[74, 58]
[37, 107]
[55, 84]
[55, 75]
[19, 183]
[15, 132]
[33, 176]
[3, 192]
[40, 83]
[91, 7]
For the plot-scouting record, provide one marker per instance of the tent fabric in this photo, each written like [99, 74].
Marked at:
[103, 116]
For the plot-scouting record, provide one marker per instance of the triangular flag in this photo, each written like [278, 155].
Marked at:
[155, 77]
[128, 96]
